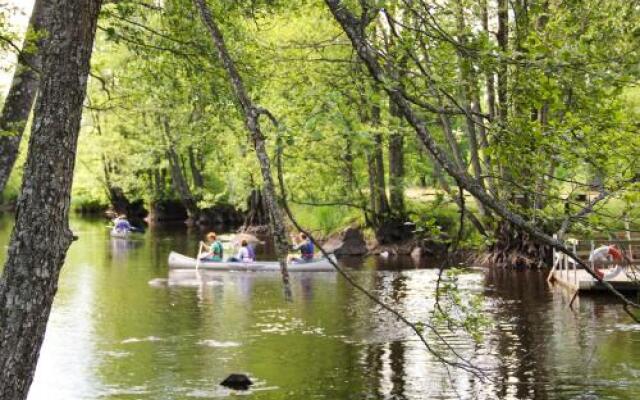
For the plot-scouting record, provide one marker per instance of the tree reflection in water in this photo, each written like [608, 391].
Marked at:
[113, 335]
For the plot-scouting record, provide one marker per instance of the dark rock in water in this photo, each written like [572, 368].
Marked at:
[237, 382]
[350, 242]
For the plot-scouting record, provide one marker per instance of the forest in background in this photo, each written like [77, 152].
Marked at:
[537, 101]
[383, 113]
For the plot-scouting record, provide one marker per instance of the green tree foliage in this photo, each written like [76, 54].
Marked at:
[569, 126]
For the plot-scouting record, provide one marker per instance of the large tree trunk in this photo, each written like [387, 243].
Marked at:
[379, 204]
[41, 235]
[513, 248]
[396, 165]
[119, 201]
[380, 186]
[539, 200]
[252, 115]
[396, 173]
[382, 204]
[158, 183]
[196, 173]
[257, 212]
[348, 170]
[178, 178]
[22, 92]
[371, 174]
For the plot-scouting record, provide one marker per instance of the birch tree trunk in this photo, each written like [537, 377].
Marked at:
[380, 192]
[503, 43]
[491, 90]
[41, 235]
[349, 174]
[251, 114]
[19, 101]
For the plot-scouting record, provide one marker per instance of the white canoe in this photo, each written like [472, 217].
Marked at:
[177, 261]
[122, 234]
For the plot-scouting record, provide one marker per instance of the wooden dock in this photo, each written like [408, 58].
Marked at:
[567, 273]
[580, 280]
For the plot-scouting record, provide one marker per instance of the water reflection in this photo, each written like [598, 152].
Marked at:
[114, 335]
[120, 247]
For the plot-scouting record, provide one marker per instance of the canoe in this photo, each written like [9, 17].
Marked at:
[122, 234]
[125, 233]
[180, 261]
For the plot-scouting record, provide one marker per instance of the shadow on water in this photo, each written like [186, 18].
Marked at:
[113, 335]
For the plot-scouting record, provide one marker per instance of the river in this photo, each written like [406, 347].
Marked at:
[122, 328]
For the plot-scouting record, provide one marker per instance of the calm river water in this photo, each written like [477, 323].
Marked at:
[119, 331]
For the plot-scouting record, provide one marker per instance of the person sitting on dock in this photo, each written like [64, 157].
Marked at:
[306, 248]
[604, 254]
[215, 248]
[244, 254]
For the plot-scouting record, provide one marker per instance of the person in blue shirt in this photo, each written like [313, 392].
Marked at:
[121, 224]
[306, 248]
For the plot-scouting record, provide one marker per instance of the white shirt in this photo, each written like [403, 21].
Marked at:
[243, 255]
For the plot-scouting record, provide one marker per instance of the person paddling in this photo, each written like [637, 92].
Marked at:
[306, 248]
[215, 248]
[121, 224]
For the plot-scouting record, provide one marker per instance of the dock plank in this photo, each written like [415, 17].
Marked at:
[582, 281]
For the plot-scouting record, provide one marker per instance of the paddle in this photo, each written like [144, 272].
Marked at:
[136, 229]
[200, 245]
